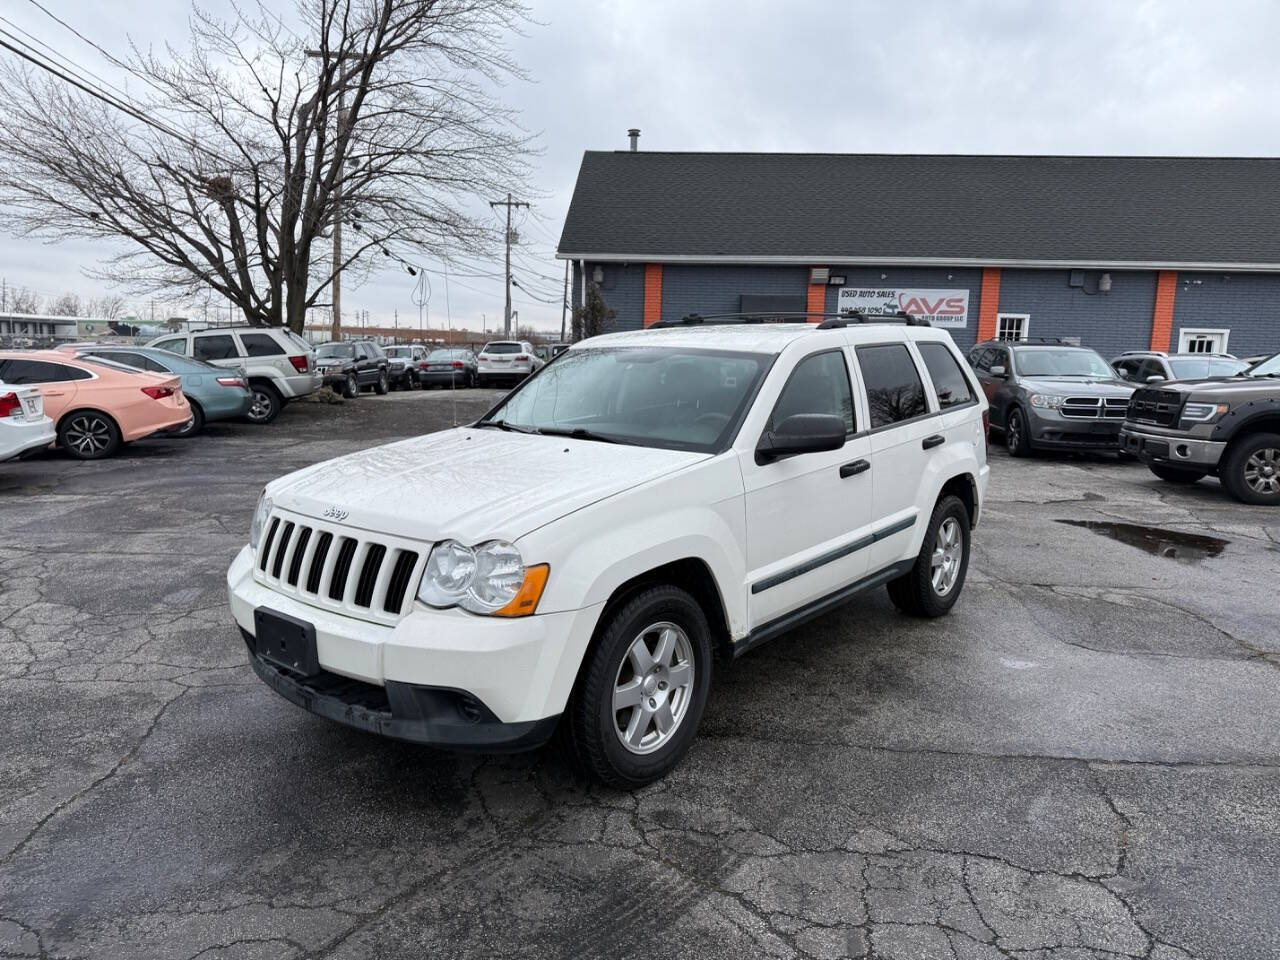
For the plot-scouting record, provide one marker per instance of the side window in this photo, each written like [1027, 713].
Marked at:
[1128, 369]
[949, 381]
[177, 345]
[361, 352]
[32, 371]
[1151, 367]
[72, 373]
[1000, 358]
[219, 347]
[818, 384]
[260, 345]
[894, 390]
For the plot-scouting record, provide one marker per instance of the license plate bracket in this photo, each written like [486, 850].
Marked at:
[286, 641]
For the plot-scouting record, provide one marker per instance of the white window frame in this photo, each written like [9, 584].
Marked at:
[1024, 321]
[1185, 333]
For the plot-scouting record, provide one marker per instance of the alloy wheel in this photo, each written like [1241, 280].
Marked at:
[1262, 471]
[948, 554]
[261, 408]
[1013, 430]
[88, 434]
[653, 687]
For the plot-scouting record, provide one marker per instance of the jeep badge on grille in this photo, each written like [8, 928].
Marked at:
[335, 513]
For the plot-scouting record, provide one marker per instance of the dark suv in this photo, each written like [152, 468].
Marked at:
[349, 366]
[1049, 394]
[1231, 428]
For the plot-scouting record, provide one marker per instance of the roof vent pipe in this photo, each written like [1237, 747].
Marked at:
[634, 134]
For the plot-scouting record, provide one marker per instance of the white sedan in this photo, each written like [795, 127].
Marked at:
[23, 425]
[508, 361]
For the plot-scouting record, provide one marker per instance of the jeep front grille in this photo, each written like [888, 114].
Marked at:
[340, 569]
[1094, 408]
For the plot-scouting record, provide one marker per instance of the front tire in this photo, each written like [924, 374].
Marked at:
[192, 426]
[932, 586]
[89, 435]
[640, 697]
[1177, 474]
[351, 388]
[382, 385]
[266, 403]
[1251, 469]
[1017, 439]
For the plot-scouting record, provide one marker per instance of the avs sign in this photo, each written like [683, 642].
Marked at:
[942, 308]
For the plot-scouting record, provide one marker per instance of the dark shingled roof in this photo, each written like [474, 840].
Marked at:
[881, 208]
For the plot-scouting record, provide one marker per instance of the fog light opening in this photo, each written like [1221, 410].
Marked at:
[1182, 451]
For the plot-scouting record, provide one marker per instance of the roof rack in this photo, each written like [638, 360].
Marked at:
[830, 321]
[1055, 341]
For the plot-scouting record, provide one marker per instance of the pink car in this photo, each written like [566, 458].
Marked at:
[95, 405]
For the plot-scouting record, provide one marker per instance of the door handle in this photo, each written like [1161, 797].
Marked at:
[858, 466]
[936, 440]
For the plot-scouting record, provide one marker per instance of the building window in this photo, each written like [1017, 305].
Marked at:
[1203, 341]
[1012, 326]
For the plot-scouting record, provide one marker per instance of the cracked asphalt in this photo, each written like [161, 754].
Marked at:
[1082, 761]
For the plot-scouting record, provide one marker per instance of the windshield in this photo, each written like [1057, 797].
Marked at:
[1205, 368]
[502, 348]
[672, 397]
[1267, 368]
[336, 350]
[447, 355]
[1050, 362]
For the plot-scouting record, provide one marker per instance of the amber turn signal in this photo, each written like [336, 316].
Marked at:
[526, 600]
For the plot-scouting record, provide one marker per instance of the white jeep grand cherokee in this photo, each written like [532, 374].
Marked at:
[580, 555]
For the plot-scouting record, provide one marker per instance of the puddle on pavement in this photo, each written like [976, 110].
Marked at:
[1173, 544]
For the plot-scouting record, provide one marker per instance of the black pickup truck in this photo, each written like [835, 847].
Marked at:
[1185, 430]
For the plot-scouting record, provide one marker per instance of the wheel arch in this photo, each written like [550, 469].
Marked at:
[691, 574]
[74, 410]
[1262, 421]
[965, 487]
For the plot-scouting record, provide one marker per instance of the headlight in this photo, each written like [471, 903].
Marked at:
[260, 517]
[1204, 412]
[490, 578]
[1046, 400]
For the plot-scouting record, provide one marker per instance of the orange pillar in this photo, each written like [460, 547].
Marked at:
[816, 302]
[988, 303]
[1162, 316]
[652, 293]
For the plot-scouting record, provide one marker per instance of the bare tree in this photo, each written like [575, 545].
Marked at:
[109, 306]
[252, 166]
[67, 305]
[24, 300]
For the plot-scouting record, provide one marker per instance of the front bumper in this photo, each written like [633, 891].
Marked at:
[1050, 429]
[519, 671]
[1176, 449]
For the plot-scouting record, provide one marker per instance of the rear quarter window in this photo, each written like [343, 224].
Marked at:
[949, 381]
[260, 345]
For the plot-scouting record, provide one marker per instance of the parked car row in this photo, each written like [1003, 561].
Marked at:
[1187, 416]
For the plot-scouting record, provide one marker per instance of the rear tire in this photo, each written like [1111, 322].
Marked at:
[1251, 469]
[266, 403]
[932, 586]
[650, 668]
[382, 385]
[88, 435]
[192, 426]
[1177, 474]
[1016, 438]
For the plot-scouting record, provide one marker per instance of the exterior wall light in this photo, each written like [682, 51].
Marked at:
[1104, 283]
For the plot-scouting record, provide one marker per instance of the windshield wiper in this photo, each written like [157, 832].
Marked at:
[582, 433]
[509, 427]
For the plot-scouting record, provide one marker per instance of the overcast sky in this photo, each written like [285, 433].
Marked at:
[934, 76]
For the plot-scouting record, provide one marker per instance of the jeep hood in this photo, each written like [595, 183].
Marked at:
[471, 484]
[1078, 386]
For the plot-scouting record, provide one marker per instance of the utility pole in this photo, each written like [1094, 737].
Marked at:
[336, 333]
[564, 303]
[508, 203]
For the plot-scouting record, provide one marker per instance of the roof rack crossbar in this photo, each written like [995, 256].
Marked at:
[828, 321]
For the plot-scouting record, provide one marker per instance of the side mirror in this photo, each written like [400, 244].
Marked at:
[1155, 378]
[999, 370]
[801, 433]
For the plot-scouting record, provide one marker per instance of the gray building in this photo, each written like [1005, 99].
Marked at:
[1121, 253]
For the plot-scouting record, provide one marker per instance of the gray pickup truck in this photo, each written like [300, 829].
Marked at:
[1185, 430]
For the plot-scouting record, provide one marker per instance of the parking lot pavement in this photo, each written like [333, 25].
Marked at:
[1083, 760]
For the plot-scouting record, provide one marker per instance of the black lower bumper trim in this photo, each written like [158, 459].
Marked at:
[436, 716]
